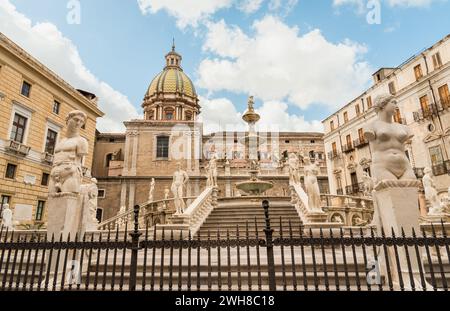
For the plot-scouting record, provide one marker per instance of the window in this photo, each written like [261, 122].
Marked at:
[10, 171]
[418, 72]
[162, 147]
[392, 90]
[358, 110]
[168, 114]
[437, 62]
[345, 117]
[40, 210]
[334, 148]
[101, 193]
[369, 102]
[56, 106]
[444, 96]
[332, 125]
[348, 138]
[44, 179]
[50, 141]
[99, 214]
[151, 115]
[287, 141]
[18, 128]
[361, 134]
[436, 155]
[188, 116]
[312, 141]
[108, 159]
[26, 89]
[6, 199]
[398, 116]
[424, 105]
[312, 154]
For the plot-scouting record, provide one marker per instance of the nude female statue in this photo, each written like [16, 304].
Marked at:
[294, 174]
[311, 184]
[180, 179]
[431, 193]
[387, 140]
[67, 173]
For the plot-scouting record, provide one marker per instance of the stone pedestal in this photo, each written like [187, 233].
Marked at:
[64, 215]
[396, 205]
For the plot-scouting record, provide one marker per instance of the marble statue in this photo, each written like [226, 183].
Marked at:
[294, 173]
[93, 200]
[211, 171]
[358, 221]
[180, 179]
[66, 174]
[387, 139]
[311, 185]
[7, 218]
[431, 194]
[368, 184]
[166, 197]
[337, 219]
[151, 191]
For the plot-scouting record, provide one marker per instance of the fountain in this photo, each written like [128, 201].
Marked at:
[252, 141]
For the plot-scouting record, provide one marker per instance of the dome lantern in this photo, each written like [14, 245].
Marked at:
[173, 59]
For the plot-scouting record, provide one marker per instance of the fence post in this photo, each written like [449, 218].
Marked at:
[269, 245]
[135, 234]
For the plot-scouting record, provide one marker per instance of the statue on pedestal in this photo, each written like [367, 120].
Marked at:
[151, 191]
[7, 218]
[211, 172]
[387, 139]
[294, 173]
[311, 185]
[67, 173]
[431, 194]
[180, 179]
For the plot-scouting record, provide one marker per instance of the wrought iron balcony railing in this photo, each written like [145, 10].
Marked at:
[360, 142]
[354, 189]
[17, 148]
[425, 113]
[348, 148]
[441, 168]
[47, 158]
[340, 191]
[333, 155]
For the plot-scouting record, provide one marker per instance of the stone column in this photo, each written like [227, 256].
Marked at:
[396, 205]
[134, 153]
[131, 195]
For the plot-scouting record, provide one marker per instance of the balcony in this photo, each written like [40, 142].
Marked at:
[348, 148]
[47, 158]
[354, 189]
[441, 169]
[333, 155]
[17, 148]
[339, 191]
[427, 113]
[443, 104]
[360, 142]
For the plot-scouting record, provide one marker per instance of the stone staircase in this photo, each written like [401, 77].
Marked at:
[244, 217]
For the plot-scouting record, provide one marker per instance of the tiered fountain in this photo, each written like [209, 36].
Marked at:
[252, 141]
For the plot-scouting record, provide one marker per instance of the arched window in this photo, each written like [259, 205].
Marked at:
[188, 115]
[312, 154]
[108, 159]
[168, 114]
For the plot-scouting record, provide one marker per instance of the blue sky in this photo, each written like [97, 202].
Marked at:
[300, 59]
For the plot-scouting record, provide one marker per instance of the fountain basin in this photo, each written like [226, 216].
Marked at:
[254, 187]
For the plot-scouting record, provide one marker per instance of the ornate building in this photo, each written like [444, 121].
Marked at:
[125, 163]
[421, 88]
[34, 103]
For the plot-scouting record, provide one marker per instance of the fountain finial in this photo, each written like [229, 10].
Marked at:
[251, 103]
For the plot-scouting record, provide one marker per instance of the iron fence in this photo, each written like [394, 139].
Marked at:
[257, 257]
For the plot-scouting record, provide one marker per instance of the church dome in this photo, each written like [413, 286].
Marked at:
[172, 79]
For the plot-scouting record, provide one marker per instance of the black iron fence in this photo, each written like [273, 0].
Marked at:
[264, 257]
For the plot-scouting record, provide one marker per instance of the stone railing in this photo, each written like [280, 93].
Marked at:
[197, 211]
[348, 210]
[151, 213]
[299, 199]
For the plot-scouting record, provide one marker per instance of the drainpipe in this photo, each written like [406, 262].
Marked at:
[343, 157]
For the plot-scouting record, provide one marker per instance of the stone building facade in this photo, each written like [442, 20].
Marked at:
[421, 87]
[34, 105]
[169, 133]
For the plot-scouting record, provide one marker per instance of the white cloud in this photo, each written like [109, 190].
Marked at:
[275, 113]
[220, 114]
[361, 4]
[187, 13]
[279, 64]
[45, 42]
[249, 6]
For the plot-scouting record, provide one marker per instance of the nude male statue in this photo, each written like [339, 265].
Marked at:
[67, 173]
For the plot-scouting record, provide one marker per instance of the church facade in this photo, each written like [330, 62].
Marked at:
[169, 133]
